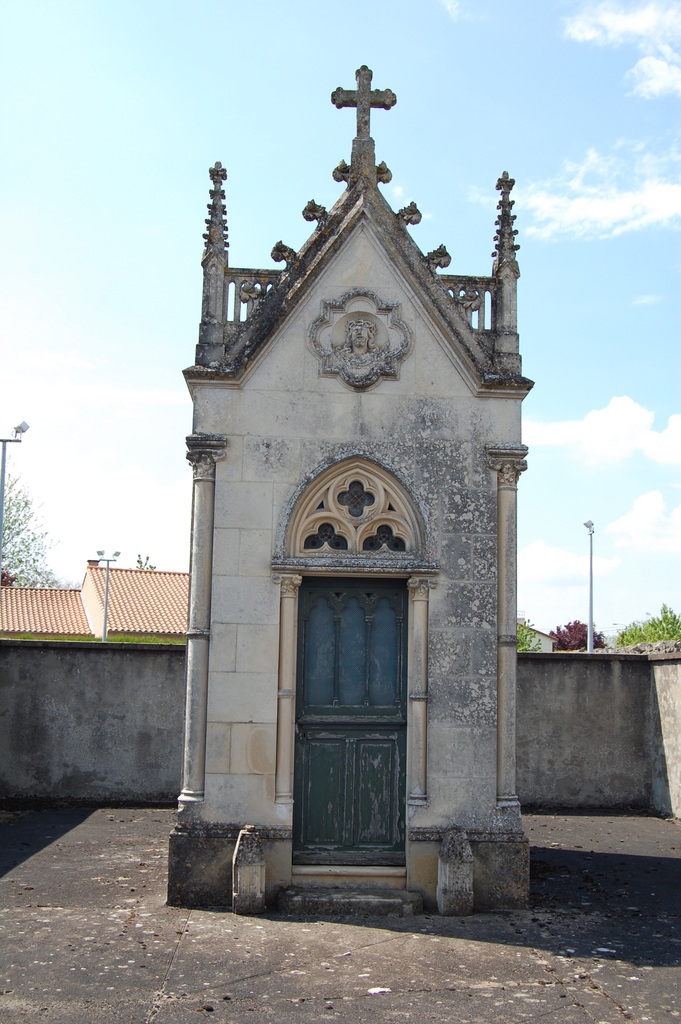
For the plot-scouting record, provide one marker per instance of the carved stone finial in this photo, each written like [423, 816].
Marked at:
[410, 214]
[383, 173]
[363, 169]
[313, 211]
[364, 98]
[438, 258]
[283, 253]
[342, 172]
[505, 247]
[216, 236]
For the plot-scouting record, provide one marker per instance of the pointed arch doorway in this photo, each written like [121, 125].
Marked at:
[351, 722]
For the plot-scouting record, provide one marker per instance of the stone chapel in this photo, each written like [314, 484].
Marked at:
[351, 652]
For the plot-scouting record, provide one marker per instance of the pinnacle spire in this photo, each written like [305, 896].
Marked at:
[216, 236]
[505, 247]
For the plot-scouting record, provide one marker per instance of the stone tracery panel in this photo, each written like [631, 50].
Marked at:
[355, 508]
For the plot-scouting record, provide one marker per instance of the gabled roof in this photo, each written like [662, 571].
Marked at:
[228, 347]
[140, 600]
[38, 610]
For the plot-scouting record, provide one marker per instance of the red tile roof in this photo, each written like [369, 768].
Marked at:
[50, 612]
[140, 600]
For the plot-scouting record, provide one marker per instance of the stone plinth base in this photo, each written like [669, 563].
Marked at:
[501, 873]
[200, 869]
[455, 875]
[200, 864]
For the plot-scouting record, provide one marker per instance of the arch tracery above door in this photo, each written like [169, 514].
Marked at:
[355, 509]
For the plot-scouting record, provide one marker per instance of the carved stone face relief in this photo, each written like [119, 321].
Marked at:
[360, 338]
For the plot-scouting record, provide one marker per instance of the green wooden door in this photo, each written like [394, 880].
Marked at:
[351, 722]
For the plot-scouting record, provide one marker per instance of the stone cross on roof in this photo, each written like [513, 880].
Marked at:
[364, 98]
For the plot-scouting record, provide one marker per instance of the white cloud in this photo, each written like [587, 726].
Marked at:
[653, 76]
[614, 23]
[612, 434]
[654, 27]
[539, 562]
[646, 300]
[452, 7]
[605, 196]
[647, 527]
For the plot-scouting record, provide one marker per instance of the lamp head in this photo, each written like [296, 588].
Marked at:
[116, 554]
[101, 554]
[589, 525]
[21, 429]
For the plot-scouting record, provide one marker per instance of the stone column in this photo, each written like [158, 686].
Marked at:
[508, 461]
[204, 450]
[417, 786]
[286, 692]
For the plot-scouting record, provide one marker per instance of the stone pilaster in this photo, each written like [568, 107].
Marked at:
[417, 785]
[286, 691]
[508, 461]
[204, 450]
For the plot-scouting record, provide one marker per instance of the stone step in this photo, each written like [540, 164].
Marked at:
[320, 901]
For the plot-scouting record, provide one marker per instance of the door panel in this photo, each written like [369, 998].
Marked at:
[351, 722]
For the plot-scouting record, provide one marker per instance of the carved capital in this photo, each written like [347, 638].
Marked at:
[420, 587]
[204, 450]
[289, 583]
[438, 258]
[508, 461]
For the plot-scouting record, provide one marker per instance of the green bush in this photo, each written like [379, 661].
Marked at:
[527, 638]
[665, 626]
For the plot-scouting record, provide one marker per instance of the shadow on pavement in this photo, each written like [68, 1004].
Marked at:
[25, 833]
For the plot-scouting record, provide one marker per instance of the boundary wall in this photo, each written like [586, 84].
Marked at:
[103, 723]
[91, 722]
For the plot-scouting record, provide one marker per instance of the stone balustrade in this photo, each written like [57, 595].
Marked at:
[476, 297]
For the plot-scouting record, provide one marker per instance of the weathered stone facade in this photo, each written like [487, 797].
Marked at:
[361, 424]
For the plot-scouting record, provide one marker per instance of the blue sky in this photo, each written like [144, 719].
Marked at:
[111, 114]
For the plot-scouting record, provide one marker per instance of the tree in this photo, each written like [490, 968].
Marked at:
[24, 542]
[573, 637]
[144, 564]
[527, 638]
[665, 626]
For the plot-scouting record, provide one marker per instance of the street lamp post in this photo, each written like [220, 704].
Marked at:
[16, 437]
[103, 558]
[590, 630]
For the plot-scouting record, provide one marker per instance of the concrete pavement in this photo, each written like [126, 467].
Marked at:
[85, 936]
